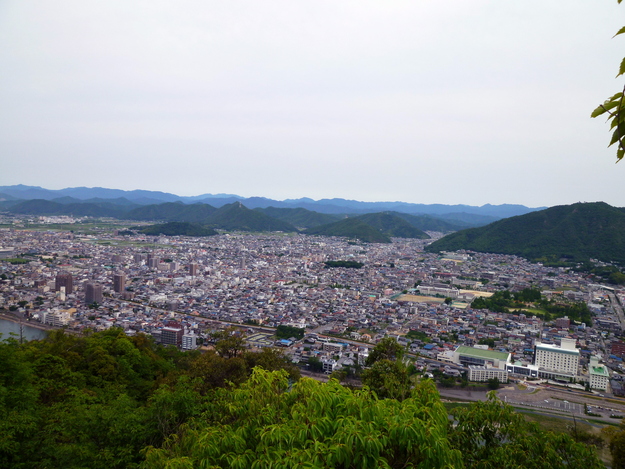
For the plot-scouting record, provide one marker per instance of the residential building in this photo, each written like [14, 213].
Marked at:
[119, 282]
[171, 336]
[64, 279]
[484, 373]
[93, 293]
[599, 376]
[189, 341]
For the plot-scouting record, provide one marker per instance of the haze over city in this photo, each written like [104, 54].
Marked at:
[426, 102]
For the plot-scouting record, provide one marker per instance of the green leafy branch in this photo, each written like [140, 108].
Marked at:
[615, 108]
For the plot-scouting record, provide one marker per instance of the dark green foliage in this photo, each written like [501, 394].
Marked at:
[431, 223]
[504, 302]
[108, 401]
[75, 402]
[388, 375]
[492, 436]
[96, 401]
[528, 295]
[238, 217]
[575, 232]
[286, 332]
[604, 273]
[350, 228]
[386, 349]
[418, 335]
[617, 449]
[299, 217]
[500, 302]
[178, 229]
[173, 211]
[315, 365]
[393, 226]
[489, 342]
[346, 264]
[16, 260]
[493, 384]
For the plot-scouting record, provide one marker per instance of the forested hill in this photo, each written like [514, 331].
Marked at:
[575, 232]
[350, 228]
[393, 226]
[299, 217]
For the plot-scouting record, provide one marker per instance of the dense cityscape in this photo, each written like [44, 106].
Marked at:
[180, 290]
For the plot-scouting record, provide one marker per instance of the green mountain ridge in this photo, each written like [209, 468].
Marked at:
[299, 217]
[173, 211]
[393, 226]
[236, 216]
[350, 228]
[575, 232]
[430, 223]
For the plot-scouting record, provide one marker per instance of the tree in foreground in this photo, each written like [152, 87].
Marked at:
[265, 424]
[493, 436]
[387, 375]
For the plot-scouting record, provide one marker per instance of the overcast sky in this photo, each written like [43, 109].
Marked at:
[456, 101]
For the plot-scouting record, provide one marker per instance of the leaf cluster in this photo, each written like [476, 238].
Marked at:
[614, 107]
[314, 425]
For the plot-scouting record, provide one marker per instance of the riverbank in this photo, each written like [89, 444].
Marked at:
[17, 319]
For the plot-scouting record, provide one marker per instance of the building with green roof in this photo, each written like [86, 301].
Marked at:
[599, 376]
[468, 356]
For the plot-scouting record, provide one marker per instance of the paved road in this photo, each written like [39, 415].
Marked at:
[464, 394]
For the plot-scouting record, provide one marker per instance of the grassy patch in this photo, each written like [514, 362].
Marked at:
[454, 405]
[557, 424]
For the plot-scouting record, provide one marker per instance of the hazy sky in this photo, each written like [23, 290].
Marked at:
[425, 101]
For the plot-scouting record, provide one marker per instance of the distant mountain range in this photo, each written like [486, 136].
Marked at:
[366, 221]
[461, 215]
[575, 232]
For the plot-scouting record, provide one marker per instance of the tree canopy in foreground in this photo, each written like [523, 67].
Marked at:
[110, 401]
[268, 424]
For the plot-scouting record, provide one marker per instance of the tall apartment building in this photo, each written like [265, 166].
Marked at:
[193, 270]
[140, 258]
[93, 293]
[171, 336]
[119, 282]
[562, 359]
[64, 279]
[189, 342]
[153, 261]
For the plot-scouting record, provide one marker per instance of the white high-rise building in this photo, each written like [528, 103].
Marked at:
[189, 342]
[559, 359]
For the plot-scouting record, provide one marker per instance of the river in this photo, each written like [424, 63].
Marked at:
[7, 328]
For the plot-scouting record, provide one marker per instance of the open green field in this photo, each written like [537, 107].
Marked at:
[109, 242]
[93, 228]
